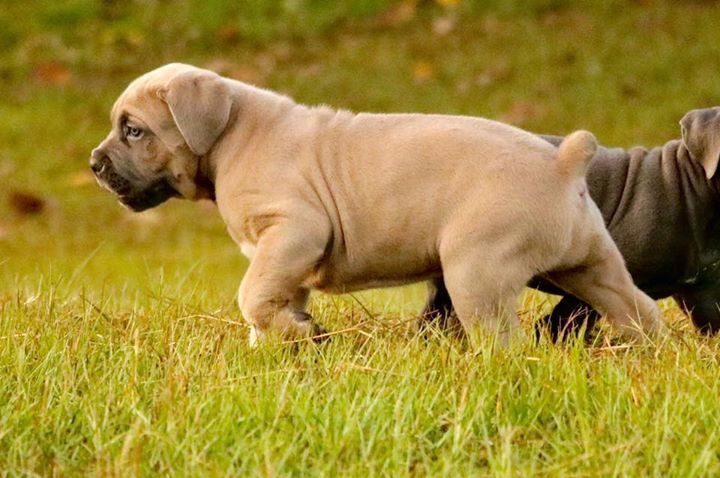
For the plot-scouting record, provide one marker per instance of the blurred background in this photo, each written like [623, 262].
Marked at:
[121, 350]
[626, 70]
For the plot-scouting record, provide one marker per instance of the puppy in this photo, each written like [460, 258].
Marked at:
[324, 199]
[661, 208]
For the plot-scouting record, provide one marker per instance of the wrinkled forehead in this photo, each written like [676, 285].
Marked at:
[142, 106]
[140, 98]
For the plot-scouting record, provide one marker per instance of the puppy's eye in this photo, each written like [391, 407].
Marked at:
[131, 132]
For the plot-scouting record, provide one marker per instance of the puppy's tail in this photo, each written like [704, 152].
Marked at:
[575, 152]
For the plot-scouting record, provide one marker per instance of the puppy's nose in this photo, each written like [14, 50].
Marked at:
[95, 165]
[98, 160]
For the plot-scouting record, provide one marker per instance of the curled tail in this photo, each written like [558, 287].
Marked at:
[575, 152]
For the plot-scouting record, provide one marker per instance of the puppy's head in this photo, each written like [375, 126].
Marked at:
[701, 136]
[162, 126]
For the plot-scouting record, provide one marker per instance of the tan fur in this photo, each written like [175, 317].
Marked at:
[575, 153]
[336, 201]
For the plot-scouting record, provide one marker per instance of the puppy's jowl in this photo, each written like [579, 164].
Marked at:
[337, 201]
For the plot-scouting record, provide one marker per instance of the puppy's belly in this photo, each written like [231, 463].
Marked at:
[339, 276]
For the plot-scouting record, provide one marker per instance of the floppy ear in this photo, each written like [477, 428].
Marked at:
[701, 136]
[200, 102]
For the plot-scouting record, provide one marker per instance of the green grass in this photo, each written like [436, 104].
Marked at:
[121, 348]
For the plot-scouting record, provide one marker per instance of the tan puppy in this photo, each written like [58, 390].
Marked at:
[336, 201]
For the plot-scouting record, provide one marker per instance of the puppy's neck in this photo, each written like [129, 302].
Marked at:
[205, 179]
[695, 180]
[206, 175]
[253, 111]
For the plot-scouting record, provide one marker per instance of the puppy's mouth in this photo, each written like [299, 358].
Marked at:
[137, 199]
[151, 196]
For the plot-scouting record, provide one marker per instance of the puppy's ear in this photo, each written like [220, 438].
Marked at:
[200, 105]
[701, 136]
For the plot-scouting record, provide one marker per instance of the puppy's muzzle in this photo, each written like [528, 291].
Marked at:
[98, 161]
[136, 198]
[105, 174]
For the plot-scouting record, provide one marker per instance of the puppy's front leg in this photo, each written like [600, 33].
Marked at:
[703, 307]
[272, 296]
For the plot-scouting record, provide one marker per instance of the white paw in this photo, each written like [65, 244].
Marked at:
[254, 337]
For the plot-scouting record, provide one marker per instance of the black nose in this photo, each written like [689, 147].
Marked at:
[98, 160]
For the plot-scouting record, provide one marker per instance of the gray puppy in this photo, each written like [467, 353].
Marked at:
[662, 208]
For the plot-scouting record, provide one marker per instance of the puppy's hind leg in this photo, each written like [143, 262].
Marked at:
[485, 302]
[604, 282]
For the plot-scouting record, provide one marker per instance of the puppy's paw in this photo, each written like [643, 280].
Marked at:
[291, 327]
[254, 337]
[308, 329]
[320, 334]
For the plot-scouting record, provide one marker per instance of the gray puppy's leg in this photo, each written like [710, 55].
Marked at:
[703, 307]
[567, 319]
[439, 310]
[438, 304]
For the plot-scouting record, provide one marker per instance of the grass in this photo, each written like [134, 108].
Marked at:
[121, 348]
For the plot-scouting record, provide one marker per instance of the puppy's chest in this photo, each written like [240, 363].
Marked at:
[248, 249]
[247, 246]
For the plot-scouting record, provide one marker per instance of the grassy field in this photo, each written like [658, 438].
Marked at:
[121, 348]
